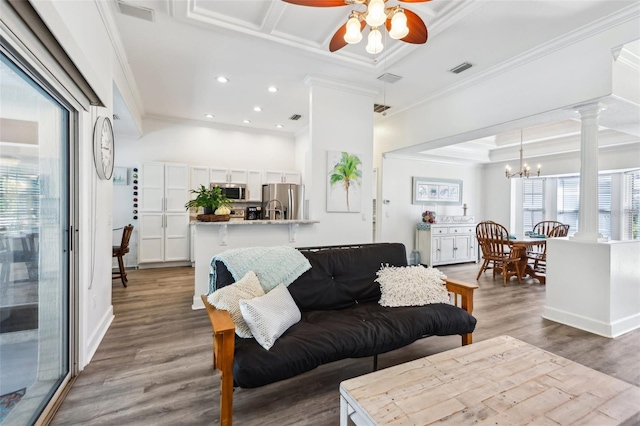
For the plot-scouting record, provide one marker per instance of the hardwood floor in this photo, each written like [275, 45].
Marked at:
[154, 365]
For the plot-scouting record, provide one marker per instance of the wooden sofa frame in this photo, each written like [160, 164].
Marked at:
[224, 342]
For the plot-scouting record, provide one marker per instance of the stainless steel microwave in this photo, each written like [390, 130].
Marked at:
[233, 191]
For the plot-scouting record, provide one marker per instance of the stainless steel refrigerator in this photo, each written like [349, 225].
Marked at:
[282, 201]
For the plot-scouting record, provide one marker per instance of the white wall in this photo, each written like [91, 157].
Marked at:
[340, 120]
[197, 144]
[79, 28]
[398, 218]
[567, 76]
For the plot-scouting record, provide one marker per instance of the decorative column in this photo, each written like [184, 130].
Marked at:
[588, 215]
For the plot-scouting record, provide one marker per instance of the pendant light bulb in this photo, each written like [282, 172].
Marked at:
[374, 41]
[375, 13]
[353, 34]
[399, 27]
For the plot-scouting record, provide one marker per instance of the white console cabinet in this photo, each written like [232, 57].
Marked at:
[447, 243]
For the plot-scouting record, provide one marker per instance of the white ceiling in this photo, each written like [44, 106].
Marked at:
[175, 59]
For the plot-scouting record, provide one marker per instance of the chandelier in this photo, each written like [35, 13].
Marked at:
[525, 170]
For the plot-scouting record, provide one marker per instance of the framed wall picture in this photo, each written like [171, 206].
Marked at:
[120, 176]
[344, 182]
[437, 191]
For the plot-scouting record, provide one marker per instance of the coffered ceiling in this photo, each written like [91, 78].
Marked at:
[175, 57]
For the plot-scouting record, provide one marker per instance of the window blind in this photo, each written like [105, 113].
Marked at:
[631, 221]
[532, 202]
[604, 205]
[20, 202]
[569, 203]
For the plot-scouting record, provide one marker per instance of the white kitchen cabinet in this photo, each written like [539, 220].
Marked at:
[282, 177]
[198, 175]
[254, 185]
[447, 244]
[220, 175]
[163, 220]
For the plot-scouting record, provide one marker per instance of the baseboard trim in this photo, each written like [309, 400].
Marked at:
[601, 328]
[197, 303]
[96, 337]
[578, 321]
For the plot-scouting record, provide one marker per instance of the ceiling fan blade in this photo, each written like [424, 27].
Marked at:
[337, 41]
[417, 29]
[317, 3]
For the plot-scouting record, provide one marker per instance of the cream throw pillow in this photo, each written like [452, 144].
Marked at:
[227, 299]
[271, 315]
[411, 286]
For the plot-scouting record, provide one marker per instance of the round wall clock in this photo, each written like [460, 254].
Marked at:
[103, 148]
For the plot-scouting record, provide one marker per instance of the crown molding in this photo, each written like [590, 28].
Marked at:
[106, 10]
[586, 31]
[219, 126]
[316, 80]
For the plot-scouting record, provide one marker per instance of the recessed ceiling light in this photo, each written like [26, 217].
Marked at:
[257, 109]
[222, 79]
[279, 126]
[209, 115]
[272, 89]
[245, 121]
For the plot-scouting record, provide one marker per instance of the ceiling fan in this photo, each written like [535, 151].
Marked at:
[402, 24]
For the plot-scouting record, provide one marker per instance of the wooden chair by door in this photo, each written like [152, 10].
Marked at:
[497, 251]
[120, 251]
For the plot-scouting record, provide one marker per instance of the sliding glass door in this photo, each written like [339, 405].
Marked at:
[34, 250]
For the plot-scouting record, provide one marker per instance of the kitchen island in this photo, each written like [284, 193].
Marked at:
[211, 238]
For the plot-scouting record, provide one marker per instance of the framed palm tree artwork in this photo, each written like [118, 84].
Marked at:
[344, 182]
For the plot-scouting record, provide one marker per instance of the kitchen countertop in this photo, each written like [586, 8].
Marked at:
[254, 222]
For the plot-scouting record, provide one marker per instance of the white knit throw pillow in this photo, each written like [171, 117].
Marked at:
[411, 286]
[227, 299]
[271, 315]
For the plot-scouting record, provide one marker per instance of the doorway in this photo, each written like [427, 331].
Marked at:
[35, 219]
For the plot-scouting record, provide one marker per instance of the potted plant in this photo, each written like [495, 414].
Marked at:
[212, 200]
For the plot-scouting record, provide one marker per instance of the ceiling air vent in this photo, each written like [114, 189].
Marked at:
[295, 117]
[389, 78]
[463, 66]
[136, 11]
[380, 108]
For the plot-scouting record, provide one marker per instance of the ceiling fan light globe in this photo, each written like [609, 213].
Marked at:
[375, 13]
[399, 27]
[353, 34]
[374, 42]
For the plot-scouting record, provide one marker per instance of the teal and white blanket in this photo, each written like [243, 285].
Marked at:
[272, 265]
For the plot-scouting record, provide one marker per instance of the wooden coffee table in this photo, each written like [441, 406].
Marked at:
[500, 381]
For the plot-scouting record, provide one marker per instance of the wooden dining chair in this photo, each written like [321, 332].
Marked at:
[120, 251]
[498, 252]
[546, 228]
[538, 260]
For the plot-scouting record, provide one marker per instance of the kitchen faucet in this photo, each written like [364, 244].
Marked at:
[275, 210]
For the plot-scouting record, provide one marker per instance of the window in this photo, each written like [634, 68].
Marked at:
[604, 205]
[20, 195]
[532, 202]
[569, 203]
[631, 213]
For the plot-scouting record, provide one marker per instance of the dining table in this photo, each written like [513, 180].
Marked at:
[525, 244]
